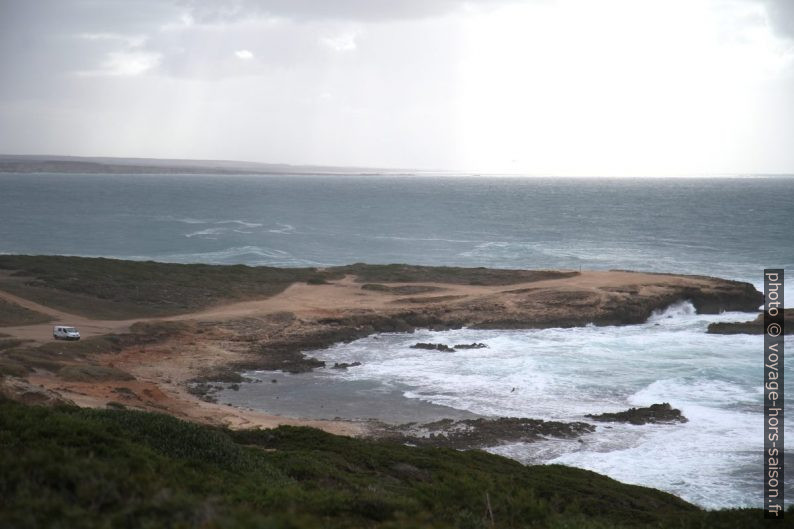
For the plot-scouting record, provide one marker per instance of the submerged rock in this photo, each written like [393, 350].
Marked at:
[345, 365]
[655, 413]
[433, 347]
[471, 346]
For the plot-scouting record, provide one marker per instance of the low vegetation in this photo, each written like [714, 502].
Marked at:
[117, 289]
[74, 361]
[10, 343]
[82, 468]
[393, 273]
[13, 314]
[12, 367]
[92, 373]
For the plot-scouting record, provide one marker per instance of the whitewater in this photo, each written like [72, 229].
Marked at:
[713, 460]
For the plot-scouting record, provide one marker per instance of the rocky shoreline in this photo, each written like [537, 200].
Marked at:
[289, 338]
[755, 326]
[174, 364]
[480, 433]
[654, 414]
[493, 431]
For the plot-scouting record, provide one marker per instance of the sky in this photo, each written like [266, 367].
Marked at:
[541, 87]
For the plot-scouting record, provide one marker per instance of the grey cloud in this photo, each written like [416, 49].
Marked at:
[358, 10]
[41, 40]
[209, 52]
[781, 16]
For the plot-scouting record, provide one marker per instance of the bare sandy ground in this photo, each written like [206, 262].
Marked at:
[163, 370]
[327, 300]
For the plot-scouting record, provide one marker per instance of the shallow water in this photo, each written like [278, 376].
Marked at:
[323, 395]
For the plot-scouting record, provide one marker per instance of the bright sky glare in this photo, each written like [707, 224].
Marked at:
[552, 87]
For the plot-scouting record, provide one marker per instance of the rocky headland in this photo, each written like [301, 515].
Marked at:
[228, 319]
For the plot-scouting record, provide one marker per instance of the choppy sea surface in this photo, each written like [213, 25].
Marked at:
[723, 227]
[726, 227]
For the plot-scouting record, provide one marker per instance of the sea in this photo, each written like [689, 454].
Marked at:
[726, 227]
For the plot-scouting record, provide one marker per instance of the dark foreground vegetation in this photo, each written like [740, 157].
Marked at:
[118, 289]
[75, 468]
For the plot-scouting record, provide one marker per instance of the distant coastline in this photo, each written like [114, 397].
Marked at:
[112, 165]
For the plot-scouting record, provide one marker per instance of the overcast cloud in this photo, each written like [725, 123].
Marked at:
[533, 86]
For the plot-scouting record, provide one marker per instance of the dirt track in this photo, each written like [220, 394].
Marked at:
[324, 300]
[163, 370]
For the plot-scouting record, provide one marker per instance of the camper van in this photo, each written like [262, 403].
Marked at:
[64, 332]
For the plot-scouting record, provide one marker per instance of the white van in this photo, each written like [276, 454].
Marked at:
[63, 332]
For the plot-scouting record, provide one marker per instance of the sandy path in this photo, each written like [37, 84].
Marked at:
[42, 332]
[323, 300]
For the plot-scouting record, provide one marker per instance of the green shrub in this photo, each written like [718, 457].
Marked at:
[82, 468]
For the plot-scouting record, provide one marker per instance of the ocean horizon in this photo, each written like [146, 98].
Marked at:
[708, 226]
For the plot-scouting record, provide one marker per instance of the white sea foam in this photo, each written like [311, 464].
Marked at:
[241, 223]
[209, 232]
[421, 239]
[563, 374]
[283, 229]
[682, 309]
[253, 255]
[183, 220]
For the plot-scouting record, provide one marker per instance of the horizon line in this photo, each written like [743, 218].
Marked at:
[332, 169]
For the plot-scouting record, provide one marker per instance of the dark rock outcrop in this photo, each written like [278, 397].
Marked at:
[755, 326]
[344, 365]
[280, 345]
[655, 413]
[284, 350]
[478, 433]
[433, 347]
[471, 346]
